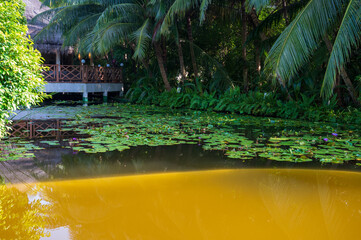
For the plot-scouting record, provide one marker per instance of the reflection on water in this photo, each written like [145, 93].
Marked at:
[20, 217]
[222, 204]
[61, 163]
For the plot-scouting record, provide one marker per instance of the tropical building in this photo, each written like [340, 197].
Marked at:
[50, 45]
[63, 76]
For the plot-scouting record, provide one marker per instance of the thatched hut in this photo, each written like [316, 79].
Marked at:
[50, 46]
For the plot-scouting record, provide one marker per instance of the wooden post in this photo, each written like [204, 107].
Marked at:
[91, 60]
[106, 69]
[30, 130]
[58, 133]
[57, 73]
[83, 69]
[83, 73]
[57, 57]
[96, 74]
[57, 61]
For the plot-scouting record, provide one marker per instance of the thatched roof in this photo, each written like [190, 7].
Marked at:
[52, 41]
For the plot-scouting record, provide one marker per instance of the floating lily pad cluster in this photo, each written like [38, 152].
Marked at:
[121, 126]
[15, 149]
[242, 137]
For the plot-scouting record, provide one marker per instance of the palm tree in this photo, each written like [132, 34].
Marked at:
[98, 26]
[304, 34]
[180, 9]
[183, 9]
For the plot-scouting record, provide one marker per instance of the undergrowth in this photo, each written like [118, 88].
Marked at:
[255, 103]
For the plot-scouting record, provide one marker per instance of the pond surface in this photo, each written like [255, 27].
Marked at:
[122, 171]
[221, 204]
[122, 139]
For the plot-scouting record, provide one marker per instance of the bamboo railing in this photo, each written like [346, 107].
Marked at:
[81, 74]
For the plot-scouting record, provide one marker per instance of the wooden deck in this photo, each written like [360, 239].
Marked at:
[21, 171]
[83, 79]
[81, 74]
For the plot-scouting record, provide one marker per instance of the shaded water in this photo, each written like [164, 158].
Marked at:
[222, 204]
[61, 163]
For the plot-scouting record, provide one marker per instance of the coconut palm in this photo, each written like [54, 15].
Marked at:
[97, 26]
[179, 9]
[305, 33]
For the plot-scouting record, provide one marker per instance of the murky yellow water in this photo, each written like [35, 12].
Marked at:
[223, 204]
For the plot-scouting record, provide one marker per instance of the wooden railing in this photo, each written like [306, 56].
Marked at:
[82, 74]
[52, 128]
[39, 129]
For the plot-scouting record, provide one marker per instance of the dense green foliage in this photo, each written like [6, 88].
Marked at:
[251, 103]
[299, 40]
[20, 69]
[292, 49]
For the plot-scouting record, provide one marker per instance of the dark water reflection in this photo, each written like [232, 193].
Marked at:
[60, 163]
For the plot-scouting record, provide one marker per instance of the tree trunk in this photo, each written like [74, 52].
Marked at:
[159, 54]
[289, 98]
[190, 38]
[181, 61]
[349, 86]
[338, 91]
[262, 36]
[343, 74]
[164, 51]
[145, 63]
[258, 59]
[244, 49]
[255, 22]
[285, 12]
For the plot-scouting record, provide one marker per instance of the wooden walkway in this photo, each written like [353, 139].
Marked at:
[21, 171]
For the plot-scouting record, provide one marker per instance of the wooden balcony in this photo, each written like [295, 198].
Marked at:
[82, 74]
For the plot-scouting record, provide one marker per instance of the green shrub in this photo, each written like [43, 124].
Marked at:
[20, 65]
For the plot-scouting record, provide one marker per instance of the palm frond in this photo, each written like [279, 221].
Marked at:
[203, 8]
[108, 3]
[46, 15]
[257, 4]
[209, 60]
[123, 9]
[63, 3]
[64, 19]
[80, 29]
[298, 41]
[45, 33]
[348, 36]
[86, 44]
[275, 18]
[142, 39]
[178, 8]
[161, 7]
[110, 35]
